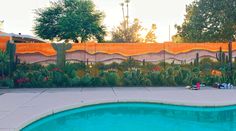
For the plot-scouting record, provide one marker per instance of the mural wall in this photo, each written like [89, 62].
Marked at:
[3, 41]
[117, 52]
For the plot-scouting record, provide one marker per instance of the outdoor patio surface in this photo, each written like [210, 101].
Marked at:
[19, 107]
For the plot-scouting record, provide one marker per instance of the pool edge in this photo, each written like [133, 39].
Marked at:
[83, 104]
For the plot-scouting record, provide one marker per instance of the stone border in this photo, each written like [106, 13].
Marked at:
[66, 108]
[21, 107]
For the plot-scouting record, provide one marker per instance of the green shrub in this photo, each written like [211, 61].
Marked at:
[206, 64]
[6, 82]
[156, 78]
[4, 60]
[135, 78]
[112, 79]
[36, 79]
[183, 77]
[86, 81]
[99, 82]
[59, 78]
[50, 67]
[128, 73]
[100, 66]
[129, 64]
[75, 82]
[70, 70]
[29, 67]
[32, 79]
[210, 80]
[169, 77]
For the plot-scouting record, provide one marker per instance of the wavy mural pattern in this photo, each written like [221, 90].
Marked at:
[117, 52]
[125, 49]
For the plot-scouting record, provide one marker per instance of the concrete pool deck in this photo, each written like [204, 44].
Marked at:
[19, 107]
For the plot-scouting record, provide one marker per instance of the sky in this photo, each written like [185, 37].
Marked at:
[18, 15]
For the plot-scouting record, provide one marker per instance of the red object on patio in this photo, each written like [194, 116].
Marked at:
[198, 85]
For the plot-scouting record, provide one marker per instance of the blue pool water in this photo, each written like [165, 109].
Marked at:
[139, 117]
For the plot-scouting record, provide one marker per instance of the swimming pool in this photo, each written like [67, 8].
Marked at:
[139, 117]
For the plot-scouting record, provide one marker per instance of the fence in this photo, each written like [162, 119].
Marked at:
[117, 52]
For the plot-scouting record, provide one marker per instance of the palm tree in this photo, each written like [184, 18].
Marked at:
[123, 11]
[127, 5]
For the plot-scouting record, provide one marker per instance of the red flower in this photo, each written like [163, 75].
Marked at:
[57, 69]
[22, 80]
[46, 78]
[156, 68]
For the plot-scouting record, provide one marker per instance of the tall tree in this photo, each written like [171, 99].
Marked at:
[123, 10]
[151, 36]
[129, 34]
[127, 6]
[70, 19]
[208, 21]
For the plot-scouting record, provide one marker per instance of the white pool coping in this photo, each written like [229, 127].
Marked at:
[20, 107]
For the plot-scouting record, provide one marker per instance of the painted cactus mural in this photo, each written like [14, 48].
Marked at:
[220, 56]
[110, 52]
[196, 61]
[61, 52]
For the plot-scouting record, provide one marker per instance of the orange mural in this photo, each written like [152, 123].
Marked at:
[29, 48]
[3, 41]
[125, 49]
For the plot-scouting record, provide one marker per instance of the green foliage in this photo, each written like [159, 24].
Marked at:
[99, 82]
[196, 75]
[226, 61]
[234, 78]
[75, 81]
[33, 78]
[39, 79]
[59, 78]
[169, 77]
[112, 79]
[207, 64]
[128, 73]
[210, 80]
[183, 77]
[156, 78]
[148, 66]
[21, 79]
[29, 67]
[151, 36]
[209, 21]
[70, 70]
[9, 60]
[135, 78]
[129, 34]
[6, 82]
[129, 64]
[70, 19]
[86, 81]
[4, 60]
[100, 65]
[11, 52]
